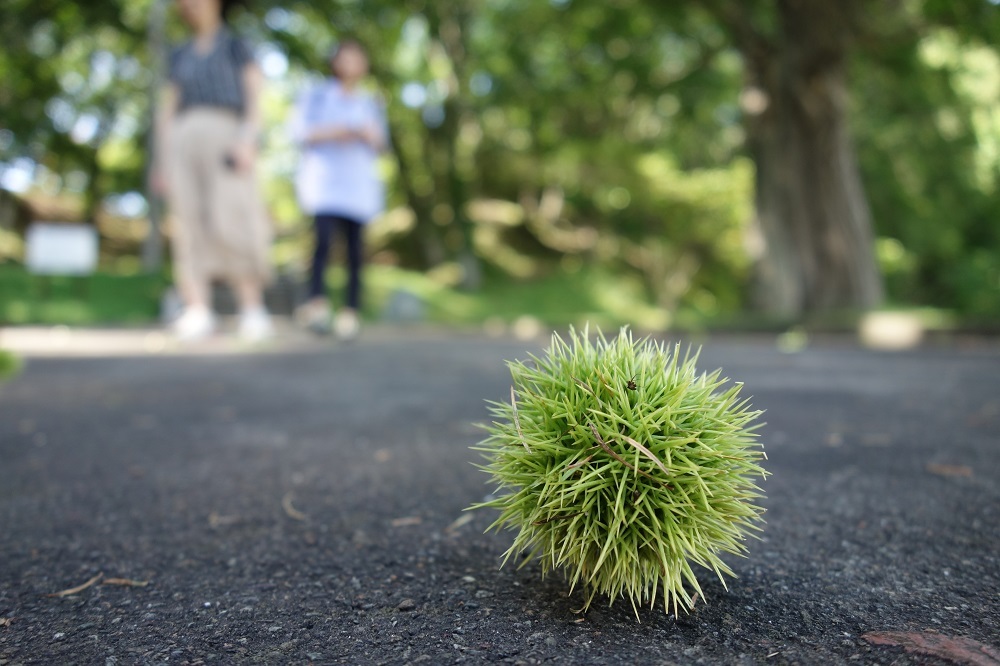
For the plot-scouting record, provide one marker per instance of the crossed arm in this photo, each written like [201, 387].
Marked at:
[370, 134]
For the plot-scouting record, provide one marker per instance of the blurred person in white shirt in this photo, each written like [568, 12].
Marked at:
[341, 128]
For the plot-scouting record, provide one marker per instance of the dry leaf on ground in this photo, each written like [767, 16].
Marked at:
[408, 520]
[125, 582]
[218, 520]
[290, 510]
[949, 470]
[957, 649]
[78, 588]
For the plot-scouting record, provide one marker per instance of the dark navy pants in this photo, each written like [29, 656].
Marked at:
[326, 226]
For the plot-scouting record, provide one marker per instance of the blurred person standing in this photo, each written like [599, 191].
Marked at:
[341, 128]
[207, 132]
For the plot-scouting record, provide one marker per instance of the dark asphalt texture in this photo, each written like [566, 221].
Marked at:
[301, 507]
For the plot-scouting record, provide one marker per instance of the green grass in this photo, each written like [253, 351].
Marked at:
[96, 299]
[10, 364]
[558, 299]
[591, 294]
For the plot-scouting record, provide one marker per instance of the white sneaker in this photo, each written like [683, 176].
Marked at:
[256, 326]
[195, 323]
[347, 325]
[315, 316]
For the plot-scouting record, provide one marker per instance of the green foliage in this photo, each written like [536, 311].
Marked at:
[629, 110]
[97, 299]
[921, 97]
[562, 297]
[10, 364]
[622, 464]
[73, 94]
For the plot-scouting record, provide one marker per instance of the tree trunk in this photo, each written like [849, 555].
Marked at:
[422, 205]
[818, 245]
[449, 25]
[152, 244]
[431, 250]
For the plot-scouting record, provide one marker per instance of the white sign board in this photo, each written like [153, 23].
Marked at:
[61, 249]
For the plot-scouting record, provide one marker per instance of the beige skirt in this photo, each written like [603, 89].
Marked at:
[220, 227]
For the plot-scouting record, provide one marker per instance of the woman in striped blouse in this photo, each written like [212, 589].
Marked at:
[207, 133]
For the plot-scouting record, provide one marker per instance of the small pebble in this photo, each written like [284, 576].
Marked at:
[406, 605]
[59, 636]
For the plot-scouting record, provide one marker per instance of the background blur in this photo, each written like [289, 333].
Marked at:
[610, 160]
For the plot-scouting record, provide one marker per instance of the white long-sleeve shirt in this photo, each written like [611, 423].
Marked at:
[338, 177]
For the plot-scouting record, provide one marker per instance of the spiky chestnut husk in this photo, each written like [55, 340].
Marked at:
[620, 463]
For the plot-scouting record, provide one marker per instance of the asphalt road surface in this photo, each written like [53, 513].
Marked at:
[307, 507]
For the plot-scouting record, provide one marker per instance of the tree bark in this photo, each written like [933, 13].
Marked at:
[422, 205]
[449, 25]
[431, 250]
[817, 253]
[152, 244]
